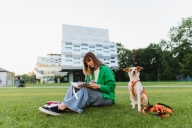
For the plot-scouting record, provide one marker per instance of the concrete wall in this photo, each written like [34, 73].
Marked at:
[6, 78]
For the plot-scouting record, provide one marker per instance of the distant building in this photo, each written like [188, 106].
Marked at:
[76, 42]
[48, 67]
[6, 77]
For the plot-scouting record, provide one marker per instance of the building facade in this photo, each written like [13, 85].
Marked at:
[48, 67]
[6, 77]
[76, 42]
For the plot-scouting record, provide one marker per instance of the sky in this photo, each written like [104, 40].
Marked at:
[33, 28]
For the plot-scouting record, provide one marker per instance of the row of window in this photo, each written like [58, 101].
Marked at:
[43, 60]
[68, 60]
[75, 58]
[51, 63]
[84, 44]
[53, 72]
[48, 65]
[89, 50]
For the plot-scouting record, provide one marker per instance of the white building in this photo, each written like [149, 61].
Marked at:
[76, 42]
[48, 67]
[6, 77]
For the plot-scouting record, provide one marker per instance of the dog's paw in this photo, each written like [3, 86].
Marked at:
[139, 109]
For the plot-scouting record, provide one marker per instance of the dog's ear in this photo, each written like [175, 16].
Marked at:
[139, 68]
[126, 69]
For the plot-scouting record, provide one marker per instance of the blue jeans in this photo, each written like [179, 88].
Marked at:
[86, 97]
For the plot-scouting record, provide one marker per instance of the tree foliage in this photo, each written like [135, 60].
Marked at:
[125, 56]
[165, 60]
[186, 66]
[181, 38]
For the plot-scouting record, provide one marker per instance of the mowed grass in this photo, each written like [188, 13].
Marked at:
[19, 108]
[186, 83]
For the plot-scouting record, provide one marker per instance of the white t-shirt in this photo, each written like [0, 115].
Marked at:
[96, 73]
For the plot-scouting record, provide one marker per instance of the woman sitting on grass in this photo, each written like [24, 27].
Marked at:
[99, 92]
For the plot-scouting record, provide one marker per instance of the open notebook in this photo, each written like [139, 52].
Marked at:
[79, 84]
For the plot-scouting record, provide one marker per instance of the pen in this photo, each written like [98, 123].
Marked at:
[92, 81]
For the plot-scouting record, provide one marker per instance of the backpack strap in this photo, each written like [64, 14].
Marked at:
[158, 109]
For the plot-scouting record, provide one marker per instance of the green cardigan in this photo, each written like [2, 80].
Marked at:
[106, 80]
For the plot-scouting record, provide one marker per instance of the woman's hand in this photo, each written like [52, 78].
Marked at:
[93, 85]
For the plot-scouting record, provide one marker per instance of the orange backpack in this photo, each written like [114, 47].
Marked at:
[158, 109]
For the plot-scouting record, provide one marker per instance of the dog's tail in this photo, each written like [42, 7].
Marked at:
[144, 91]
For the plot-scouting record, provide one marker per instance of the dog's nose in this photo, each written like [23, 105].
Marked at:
[133, 72]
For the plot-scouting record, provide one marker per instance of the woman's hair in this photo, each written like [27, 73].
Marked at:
[87, 58]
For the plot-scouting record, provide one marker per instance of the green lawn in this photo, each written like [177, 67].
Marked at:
[19, 108]
[187, 83]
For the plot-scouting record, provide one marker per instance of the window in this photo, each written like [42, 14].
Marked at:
[84, 49]
[68, 60]
[92, 50]
[91, 47]
[98, 45]
[68, 47]
[67, 43]
[112, 61]
[68, 56]
[84, 44]
[76, 50]
[100, 57]
[111, 46]
[76, 46]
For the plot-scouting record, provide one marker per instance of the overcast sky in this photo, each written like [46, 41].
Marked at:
[32, 28]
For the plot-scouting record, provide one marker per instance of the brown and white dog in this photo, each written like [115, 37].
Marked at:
[138, 95]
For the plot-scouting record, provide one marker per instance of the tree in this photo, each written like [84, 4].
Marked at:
[168, 64]
[136, 57]
[124, 60]
[29, 78]
[151, 62]
[181, 40]
[125, 56]
[186, 66]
